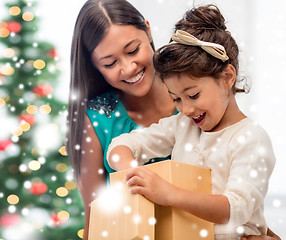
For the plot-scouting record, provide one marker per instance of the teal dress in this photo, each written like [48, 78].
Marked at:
[110, 119]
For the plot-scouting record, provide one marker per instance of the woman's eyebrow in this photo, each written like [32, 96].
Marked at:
[128, 44]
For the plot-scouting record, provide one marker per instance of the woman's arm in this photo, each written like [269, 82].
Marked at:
[92, 170]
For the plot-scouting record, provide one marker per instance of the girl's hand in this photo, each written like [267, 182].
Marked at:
[260, 237]
[143, 181]
[270, 236]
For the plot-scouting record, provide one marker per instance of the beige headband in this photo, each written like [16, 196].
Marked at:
[213, 49]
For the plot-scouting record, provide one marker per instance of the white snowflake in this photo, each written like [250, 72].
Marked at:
[276, 203]
[12, 209]
[136, 219]
[104, 234]
[204, 233]
[127, 209]
[240, 230]
[253, 173]
[115, 158]
[152, 221]
[134, 164]
[188, 147]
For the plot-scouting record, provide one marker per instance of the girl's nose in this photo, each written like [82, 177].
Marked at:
[187, 108]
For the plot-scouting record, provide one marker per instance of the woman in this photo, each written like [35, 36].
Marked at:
[113, 89]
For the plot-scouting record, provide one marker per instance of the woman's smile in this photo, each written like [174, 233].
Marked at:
[137, 78]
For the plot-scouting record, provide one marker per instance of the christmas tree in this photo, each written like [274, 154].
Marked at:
[38, 195]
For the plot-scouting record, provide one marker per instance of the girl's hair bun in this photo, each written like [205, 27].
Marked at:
[204, 18]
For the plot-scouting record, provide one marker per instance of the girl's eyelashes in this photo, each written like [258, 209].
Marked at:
[195, 96]
[191, 97]
[176, 99]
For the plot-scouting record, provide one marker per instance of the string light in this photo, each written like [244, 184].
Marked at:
[70, 185]
[46, 109]
[13, 199]
[2, 103]
[62, 150]
[32, 109]
[17, 132]
[4, 32]
[9, 52]
[80, 233]
[34, 165]
[39, 64]
[7, 70]
[62, 192]
[28, 16]
[25, 126]
[61, 167]
[63, 215]
[15, 10]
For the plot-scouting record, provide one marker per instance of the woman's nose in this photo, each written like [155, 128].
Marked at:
[128, 68]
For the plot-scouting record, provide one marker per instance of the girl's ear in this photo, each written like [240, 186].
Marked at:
[229, 76]
[148, 30]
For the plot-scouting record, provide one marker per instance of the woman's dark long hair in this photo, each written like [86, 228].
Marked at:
[94, 20]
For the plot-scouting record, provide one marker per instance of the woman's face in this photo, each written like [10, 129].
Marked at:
[125, 59]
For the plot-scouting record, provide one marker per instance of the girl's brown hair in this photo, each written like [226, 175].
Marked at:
[94, 20]
[207, 24]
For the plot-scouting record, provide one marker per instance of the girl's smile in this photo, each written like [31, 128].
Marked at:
[199, 120]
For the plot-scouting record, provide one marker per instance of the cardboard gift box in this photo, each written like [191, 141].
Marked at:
[119, 215]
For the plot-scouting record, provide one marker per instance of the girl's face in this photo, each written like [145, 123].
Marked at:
[124, 58]
[204, 100]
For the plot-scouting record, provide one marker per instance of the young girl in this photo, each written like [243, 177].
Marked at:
[199, 68]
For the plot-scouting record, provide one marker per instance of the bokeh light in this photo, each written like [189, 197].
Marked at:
[34, 165]
[25, 126]
[7, 70]
[61, 167]
[62, 150]
[63, 215]
[15, 10]
[45, 109]
[9, 52]
[4, 32]
[62, 192]
[28, 16]
[13, 199]
[70, 185]
[80, 233]
[32, 109]
[39, 64]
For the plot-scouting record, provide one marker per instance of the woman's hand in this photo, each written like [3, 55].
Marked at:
[142, 180]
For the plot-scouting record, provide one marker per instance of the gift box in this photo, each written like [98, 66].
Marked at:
[119, 215]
